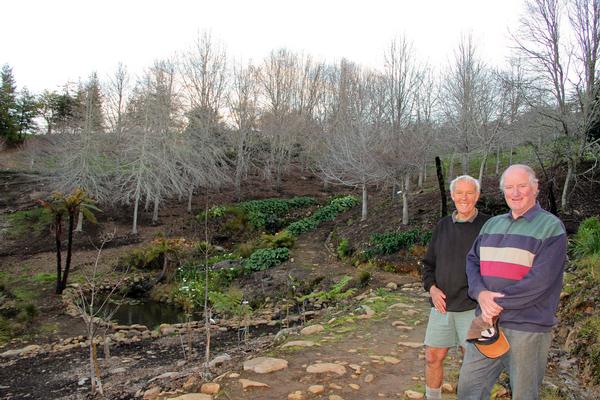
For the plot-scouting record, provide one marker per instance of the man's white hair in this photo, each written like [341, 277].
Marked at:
[466, 178]
[532, 178]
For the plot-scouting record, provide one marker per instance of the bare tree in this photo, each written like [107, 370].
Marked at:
[354, 139]
[149, 166]
[538, 41]
[243, 106]
[117, 90]
[96, 310]
[461, 88]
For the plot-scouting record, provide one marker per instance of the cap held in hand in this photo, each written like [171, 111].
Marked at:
[489, 339]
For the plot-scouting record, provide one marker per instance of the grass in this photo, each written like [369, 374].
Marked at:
[44, 277]
[25, 293]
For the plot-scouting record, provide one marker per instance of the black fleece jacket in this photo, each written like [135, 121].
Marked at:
[444, 263]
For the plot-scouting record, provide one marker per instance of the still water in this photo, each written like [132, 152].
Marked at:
[150, 313]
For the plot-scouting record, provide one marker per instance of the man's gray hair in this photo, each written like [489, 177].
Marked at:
[532, 178]
[466, 178]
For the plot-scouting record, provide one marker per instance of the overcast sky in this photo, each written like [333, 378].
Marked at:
[51, 42]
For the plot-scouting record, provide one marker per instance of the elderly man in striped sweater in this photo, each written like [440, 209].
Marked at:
[515, 271]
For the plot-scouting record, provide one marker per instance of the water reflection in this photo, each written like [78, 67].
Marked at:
[150, 313]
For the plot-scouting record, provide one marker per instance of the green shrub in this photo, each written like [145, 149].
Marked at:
[257, 213]
[30, 222]
[587, 240]
[363, 277]
[246, 249]
[391, 242]
[343, 249]
[304, 225]
[263, 259]
[280, 239]
[323, 214]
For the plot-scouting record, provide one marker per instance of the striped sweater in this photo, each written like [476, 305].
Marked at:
[523, 259]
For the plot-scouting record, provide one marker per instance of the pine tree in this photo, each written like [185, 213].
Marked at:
[9, 129]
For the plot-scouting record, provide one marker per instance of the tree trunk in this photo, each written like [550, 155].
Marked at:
[465, 163]
[565, 191]
[155, 211]
[92, 367]
[440, 177]
[420, 178]
[58, 234]
[190, 196]
[451, 169]
[405, 199]
[135, 213]
[65, 276]
[482, 165]
[79, 227]
[497, 160]
[510, 153]
[364, 202]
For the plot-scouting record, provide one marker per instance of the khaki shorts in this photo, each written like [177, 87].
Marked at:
[449, 329]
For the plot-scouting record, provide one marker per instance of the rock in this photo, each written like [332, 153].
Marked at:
[391, 286]
[20, 352]
[368, 310]
[166, 375]
[411, 394]
[399, 305]
[316, 389]
[152, 393]
[335, 397]
[297, 395]
[299, 343]
[447, 388]
[354, 386]
[166, 329]
[192, 396]
[210, 388]
[191, 385]
[357, 368]
[369, 378]
[218, 360]
[233, 375]
[414, 345]
[116, 371]
[391, 360]
[311, 330]
[326, 367]
[264, 365]
[248, 384]
[335, 386]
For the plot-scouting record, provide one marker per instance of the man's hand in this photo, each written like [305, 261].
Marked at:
[489, 307]
[438, 298]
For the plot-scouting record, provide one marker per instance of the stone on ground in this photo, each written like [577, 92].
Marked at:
[411, 394]
[316, 389]
[248, 384]
[265, 365]
[326, 367]
[297, 395]
[299, 343]
[210, 388]
[311, 330]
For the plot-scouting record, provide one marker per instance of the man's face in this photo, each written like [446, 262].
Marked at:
[465, 197]
[519, 192]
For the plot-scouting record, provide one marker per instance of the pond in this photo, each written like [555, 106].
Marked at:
[150, 313]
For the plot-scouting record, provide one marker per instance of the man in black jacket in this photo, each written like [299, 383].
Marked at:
[445, 278]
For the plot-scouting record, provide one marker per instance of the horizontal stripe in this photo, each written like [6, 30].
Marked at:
[526, 243]
[503, 270]
[543, 226]
[509, 255]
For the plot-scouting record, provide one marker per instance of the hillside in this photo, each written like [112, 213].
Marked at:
[374, 332]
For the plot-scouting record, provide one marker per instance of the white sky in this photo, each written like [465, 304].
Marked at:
[51, 42]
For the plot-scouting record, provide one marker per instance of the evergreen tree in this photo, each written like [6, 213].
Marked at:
[27, 110]
[9, 129]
